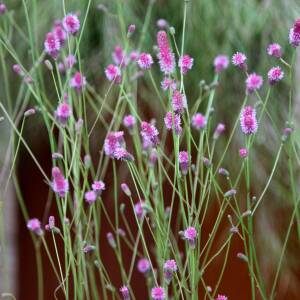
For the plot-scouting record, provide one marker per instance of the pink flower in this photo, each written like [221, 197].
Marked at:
[248, 120]
[113, 73]
[162, 23]
[158, 293]
[60, 34]
[143, 265]
[168, 83]
[90, 197]
[88, 248]
[123, 154]
[125, 188]
[149, 133]
[3, 9]
[219, 130]
[145, 61]
[139, 209]
[243, 152]
[51, 223]
[275, 74]
[131, 29]
[238, 60]
[170, 267]
[113, 141]
[59, 184]
[34, 225]
[297, 26]
[18, 70]
[190, 234]
[129, 122]
[71, 24]
[198, 121]
[253, 82]
[125, 292]
[52, 45]
[119, 57]
[165, 56]
[179, 103]
[221, 297]
[134, 55]
[153, 157]
[185, 63]
[63, 113]
[274, 50]
[78, 82]
[294, 38]
[221, 62]
[70, 61]
[173, 122]
[98, 187]
[184, 161]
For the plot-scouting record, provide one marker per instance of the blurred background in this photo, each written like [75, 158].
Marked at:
[213, 27]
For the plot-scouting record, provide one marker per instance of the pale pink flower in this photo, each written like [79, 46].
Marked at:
[71, 24]
[59, 184]
[253, 82]
[63, 113]
[221, 62]
[185, 63]
[78, 81]
[179, 103]
[198, 121]
[173, 120]
[113, 73]
[239, 60]
[248, 120]
[145, 61]
[158, 293]
[274, 50]
[275, 74]
[168, 83]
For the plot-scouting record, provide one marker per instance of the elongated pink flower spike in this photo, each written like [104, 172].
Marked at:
[52, 45]
[190, 234]
[165, 56]
[59, 184]
[149, 133]
[179, 103]
[173, 120]
[184, 161]
[248, 120]
[170, 267]
[125, 292]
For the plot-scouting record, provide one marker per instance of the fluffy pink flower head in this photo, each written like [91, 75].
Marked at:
[52, 45]
[59, 184]
[198, 121]
[129, 122]
[162, 23]
[18, 70]
[221, 62]
[149, 133]
[123, 154]
[113, 141]
[219, 130]
[60, 34]
[158, 293]
[294, 38]
[145, 61]
[63, 113]
[248, 120]
[275, 74]
[51, 223]
[173, 120]
[70, 61]
[168, 83]
[185, 63]
[184, 161]
[3, 9]
[34, 225]
[190, 234]
[71, 24]
[119, 57]
[78, 81]
[274, 50]
[125, 292]
[253, 82]
[143, 265]
[170, 267]
[221, 297]
[98, 186]
[243, 152]
[113, 72]
[179, 103]
[165, 56]
[239, 60]
[90, 197]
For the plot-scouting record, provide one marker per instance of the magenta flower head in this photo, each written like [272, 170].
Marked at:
[221, 297]
[52, 45]
[125, 292]
[60, 34]
[78, 82]
[158, 293]
[3, 9]
[119, 57]
[170, 267]
[63, 113]
[139, 209]
[162, 23]
[219, 130]
[71, 24]
[294, 36]
[123, 154]
[221, 62]
[90, 197]
[185, 63]
[274, 75]
[239, 60]
[243, 152]
[143, 265]
[179, 103]
[70, 61]
[168, 84]
[129, 122]
[173, 120]
[190, 234]
[248, 120]
[274, 50]
[149, 133]
[98, 187]
[165, 56]
[198, 121]
[59, 184]
[184, 161]
[34, 225]
[145, 61]
[253, 83]
[113, 141]
[113, 73]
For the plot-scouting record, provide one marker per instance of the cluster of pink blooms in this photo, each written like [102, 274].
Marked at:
[165, 56]
[168, 83]
[143, 265]
[78, 81]
[34, 225]
[170, 267]
[179, 103]
[248, 120]
[172, 120]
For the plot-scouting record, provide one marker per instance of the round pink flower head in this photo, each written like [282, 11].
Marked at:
[219, 130]
[274, 50]
[52, 45]
[165, 56]
[190, 234]
[248, 120]
[70, 61]
[125, 292]
[18, 70]
[34, 225]
[198, 121]
[123, 154]
[129, 122]
[90, 197]
[113, 73]
[71, 24]
[3, 9]
[59, 183]
[294, 38]
[243, 152]
[221, 62]
[178, 102]
[173, 120]
[184, 161]
[139, 209]
[168, 83]
[63, 113]
[239, 60]
[158, 293]
[275, 74]
[78, 82]
[113, 141]
[149, 133]
[98, 187]
[143, 265]
[185, 63]
[60, 34]
[145, 61]
[170, 267]
[162, 23]
[221, 297]
[253, 82]
[119, 57]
